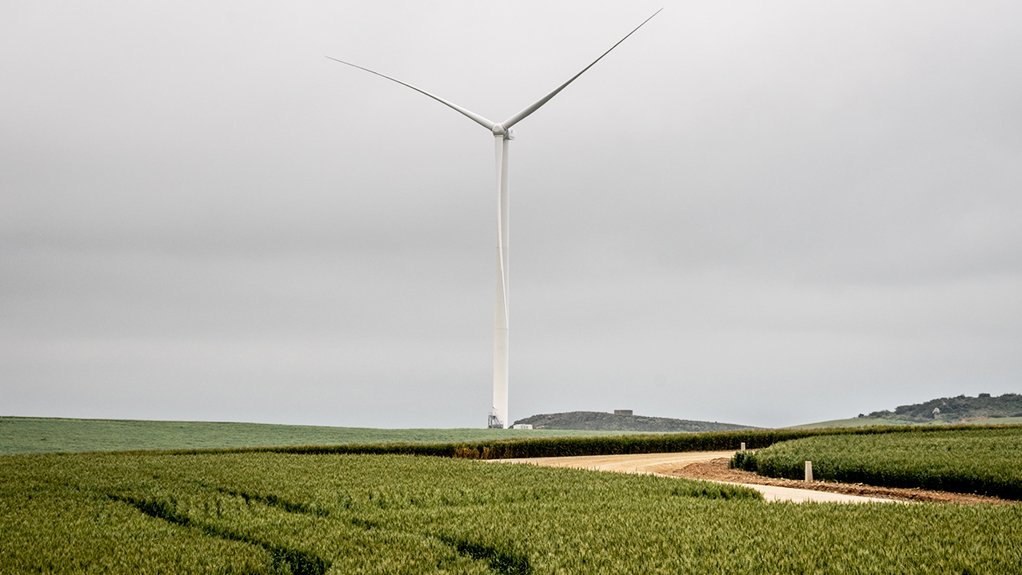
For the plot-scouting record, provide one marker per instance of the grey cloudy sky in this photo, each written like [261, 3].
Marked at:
[759, 212]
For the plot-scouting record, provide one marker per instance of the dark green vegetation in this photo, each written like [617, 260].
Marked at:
[49, 435]
[595, 420]
[985, 461]
[288, 513]
[957, 409]
[981, 410]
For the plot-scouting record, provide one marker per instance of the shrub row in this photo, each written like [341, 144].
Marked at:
[983, 461]
[600, 445]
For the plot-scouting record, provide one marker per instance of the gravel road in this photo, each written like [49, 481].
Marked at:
[667, 464]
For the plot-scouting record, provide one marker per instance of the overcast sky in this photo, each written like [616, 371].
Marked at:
[756, 212]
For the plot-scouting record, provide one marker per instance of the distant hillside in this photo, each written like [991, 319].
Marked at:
[600, 421]
[956, 409]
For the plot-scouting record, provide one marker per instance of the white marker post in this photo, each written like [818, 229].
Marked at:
[809, 471]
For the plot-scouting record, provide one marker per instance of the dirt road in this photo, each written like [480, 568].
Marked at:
[668, 464]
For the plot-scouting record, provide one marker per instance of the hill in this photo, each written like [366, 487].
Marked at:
[957, 409]
[600, 421]
[984, 409]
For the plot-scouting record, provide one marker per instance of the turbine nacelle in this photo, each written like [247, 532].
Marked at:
[500, 130]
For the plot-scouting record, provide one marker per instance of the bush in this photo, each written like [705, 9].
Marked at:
[744, 460]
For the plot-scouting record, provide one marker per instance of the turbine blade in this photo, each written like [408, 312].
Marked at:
[526, 112]
[489, 125]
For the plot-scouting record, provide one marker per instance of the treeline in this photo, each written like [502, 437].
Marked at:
[573, 446]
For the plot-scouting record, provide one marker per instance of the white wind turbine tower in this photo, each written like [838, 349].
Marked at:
[503, 135]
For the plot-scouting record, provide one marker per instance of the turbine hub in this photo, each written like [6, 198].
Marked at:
[500, 130]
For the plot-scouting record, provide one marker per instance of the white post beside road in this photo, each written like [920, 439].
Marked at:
[809, 470]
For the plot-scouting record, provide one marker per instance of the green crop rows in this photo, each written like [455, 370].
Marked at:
[33, 435]
[383, 514]
[984, 461]
[52, 435]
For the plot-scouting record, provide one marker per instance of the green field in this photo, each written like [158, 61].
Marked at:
[854, 422]
[42, 435]
[51, 435]
[984, 461]
[382, 514]
[891, 421]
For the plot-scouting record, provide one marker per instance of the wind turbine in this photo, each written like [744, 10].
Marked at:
[503, 135]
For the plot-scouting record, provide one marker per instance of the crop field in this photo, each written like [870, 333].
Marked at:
[388, 514]
[42, 435]
[45, 435]
[53, 435]
[984, 461]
